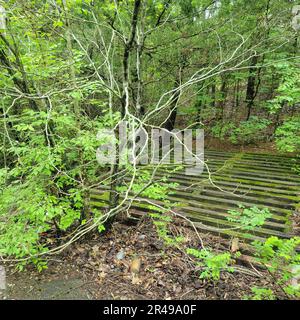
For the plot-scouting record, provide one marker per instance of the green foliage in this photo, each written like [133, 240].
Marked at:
[48, 182]
[288, 135]
[281, 258]
[250, 131]
[249, 218]
[261, 294]
[144, 185]
[162, 222]
[245, 132]
[212, 263]
[288, 90]
[275, 252]
[222, 130]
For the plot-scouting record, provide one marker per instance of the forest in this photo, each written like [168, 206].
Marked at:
[100, 99]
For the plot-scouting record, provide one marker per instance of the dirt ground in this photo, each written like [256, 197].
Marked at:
[225, 145]
[99, 267]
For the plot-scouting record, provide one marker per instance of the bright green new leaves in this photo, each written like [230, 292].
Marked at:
[212, 263]
[249, 218]
[261, 294]
[288, 135]
[55, 164]
[282, 259]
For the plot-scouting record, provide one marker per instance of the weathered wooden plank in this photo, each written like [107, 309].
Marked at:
[275, 187]
[245, 201]
[279, 226]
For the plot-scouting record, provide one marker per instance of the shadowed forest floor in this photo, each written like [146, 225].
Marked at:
[99, 268]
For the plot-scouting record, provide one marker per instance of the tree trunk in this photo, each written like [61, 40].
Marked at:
[171, 120]
[71, 60]
[250, 95]
[116, 180]
[237, 96]
[223, 101]
[213, 95]
[199, 104]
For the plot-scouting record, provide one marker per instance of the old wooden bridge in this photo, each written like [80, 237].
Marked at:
[235, 179]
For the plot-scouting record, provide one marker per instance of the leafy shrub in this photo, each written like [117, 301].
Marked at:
[45, 189]
[261, 294]
[249, 218]
[281, 258]
[250, 131]
[222, 130]
[288, 136]
[287, 92]
[212, 263]
[162, 221]
[247, 132]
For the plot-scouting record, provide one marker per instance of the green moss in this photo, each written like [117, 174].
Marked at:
[104, 196]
